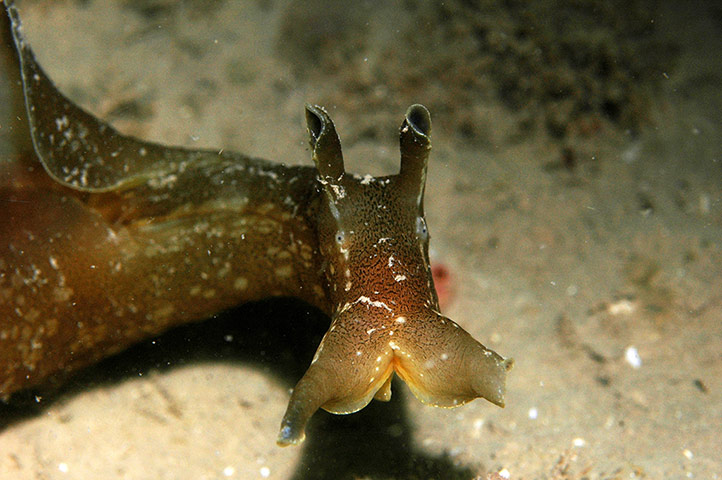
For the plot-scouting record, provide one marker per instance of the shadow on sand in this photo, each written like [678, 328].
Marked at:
[280, 337]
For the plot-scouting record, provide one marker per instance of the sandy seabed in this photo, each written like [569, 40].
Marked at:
[601, 276]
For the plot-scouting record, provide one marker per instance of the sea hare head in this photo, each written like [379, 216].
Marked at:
[386, 320]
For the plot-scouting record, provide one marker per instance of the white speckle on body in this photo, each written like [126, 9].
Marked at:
[61, 123]
[284, 271]
[372, 303]
[241, 283]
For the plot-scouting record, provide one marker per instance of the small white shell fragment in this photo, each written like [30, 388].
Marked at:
[631, 355]
[533, 413]
[621, 307]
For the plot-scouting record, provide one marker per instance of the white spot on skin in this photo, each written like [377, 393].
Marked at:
[401, 320]
[62, 294]
[163, 312]
[344, 252]
[61, 123]
[339, 191]
[400, 278]
[372, 303]
[241, 283]
[283, 271]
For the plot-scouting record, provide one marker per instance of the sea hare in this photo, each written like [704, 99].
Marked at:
[118, 239]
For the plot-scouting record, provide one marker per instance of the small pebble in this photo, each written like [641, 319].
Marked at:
[533, 413]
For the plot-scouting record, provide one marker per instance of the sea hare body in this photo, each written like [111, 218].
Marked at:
[119, 239]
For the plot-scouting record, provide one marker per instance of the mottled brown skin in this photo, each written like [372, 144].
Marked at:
[118, 239]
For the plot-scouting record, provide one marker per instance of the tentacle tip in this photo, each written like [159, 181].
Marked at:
[315, 122]
[508, 364]
[288, 435]
[419, 118]
[495, 391]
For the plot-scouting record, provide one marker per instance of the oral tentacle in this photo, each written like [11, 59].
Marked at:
[350, 368]
[444, 366]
